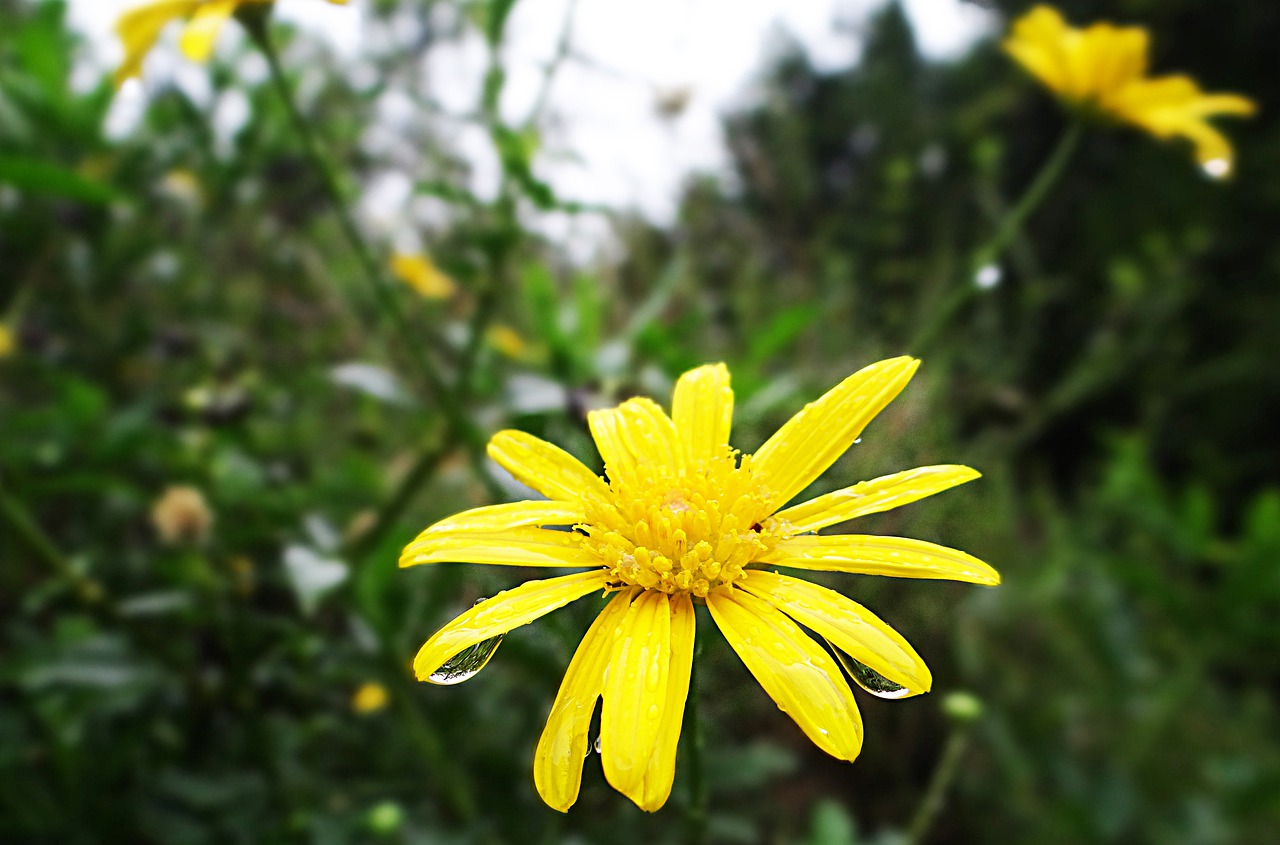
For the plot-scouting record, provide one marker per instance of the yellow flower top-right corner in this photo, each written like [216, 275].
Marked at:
[1102, 69]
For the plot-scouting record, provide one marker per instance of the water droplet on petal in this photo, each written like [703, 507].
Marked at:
[465, 664]
[1217, 168]
[857, 441]
[869, 679]
[596, 745]
[988, 276]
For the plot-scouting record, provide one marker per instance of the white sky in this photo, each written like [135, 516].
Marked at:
[611, 148]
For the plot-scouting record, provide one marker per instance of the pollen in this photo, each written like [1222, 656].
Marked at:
[691, 529]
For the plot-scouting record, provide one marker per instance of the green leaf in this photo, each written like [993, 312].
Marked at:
[44, 177]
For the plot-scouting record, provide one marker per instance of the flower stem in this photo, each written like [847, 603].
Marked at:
[26, 527]
[256, 23]
[696, 810]
[1007, 229]
[936, 793]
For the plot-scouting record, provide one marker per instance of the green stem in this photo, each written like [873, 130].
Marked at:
[256, 23]
[696, 811]
[943, 775]
[26, 527]
[1035, 194]
[423, 469]
[1008, 228]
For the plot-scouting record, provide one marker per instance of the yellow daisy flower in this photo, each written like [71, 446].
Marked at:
[1103, 70]
[681, 521]
[140, 28]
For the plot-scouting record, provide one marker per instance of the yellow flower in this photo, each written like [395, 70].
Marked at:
[6, 341]
[181, 515]
[507, 341]
[1103, 69]
[681, 521]
[369, 698]
[421, 274]
[139, 29]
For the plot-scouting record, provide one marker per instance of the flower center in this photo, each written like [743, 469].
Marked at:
[682, 530]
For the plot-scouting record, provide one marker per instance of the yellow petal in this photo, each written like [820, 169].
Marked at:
[420, 273]
[846, 624]
[635, 433]
[879, 494]
[813, 439]
[796, 672]
[206, 23]
[508, 609]
[1174, 106]
[868, 554]
[507, 516]
[548, 469]
[513, 547]
[557, 763]
[635, 693]
[139, 28]
[1119, 56]
[702, 410]
[661, 774]
[1037, 42]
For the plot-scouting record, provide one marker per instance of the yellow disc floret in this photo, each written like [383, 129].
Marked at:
[682, 530]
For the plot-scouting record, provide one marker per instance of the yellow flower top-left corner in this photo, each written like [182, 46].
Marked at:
[140, 28]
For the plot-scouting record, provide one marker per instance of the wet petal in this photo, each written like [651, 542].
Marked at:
[635, 693]
[548, 469]
[507, 516]
[202, 31]
[557, 764]
[635, 433]
[795, 671]
[879, 494]
[869, 554]
[508, 609]
[813, 439]
[661, 774]
[139, 28]
[702, 410]
[846, 624]
[514, 547]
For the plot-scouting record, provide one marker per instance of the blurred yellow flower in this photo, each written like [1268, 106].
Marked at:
[1103, 70]
[507, 341]
[681, 520]
[139, 29]
[7, 344]
[369, 698]
[420, 273]
[181, 515]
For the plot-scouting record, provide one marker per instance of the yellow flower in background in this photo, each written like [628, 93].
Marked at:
[369, 698]
[181, 515]
[507, 341]
[139, 29]
[1103, 69]
[420, 273]
[681, 520]
[7, 344]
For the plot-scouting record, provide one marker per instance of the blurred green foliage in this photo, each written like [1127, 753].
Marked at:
[188, 314]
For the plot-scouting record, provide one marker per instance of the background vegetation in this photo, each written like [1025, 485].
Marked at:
[184, 313]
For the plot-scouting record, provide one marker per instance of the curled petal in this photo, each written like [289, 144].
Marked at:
[635, 693]
[661, 773]
[557, 763]
[845, 624]
[508, 609]
[795, 671]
